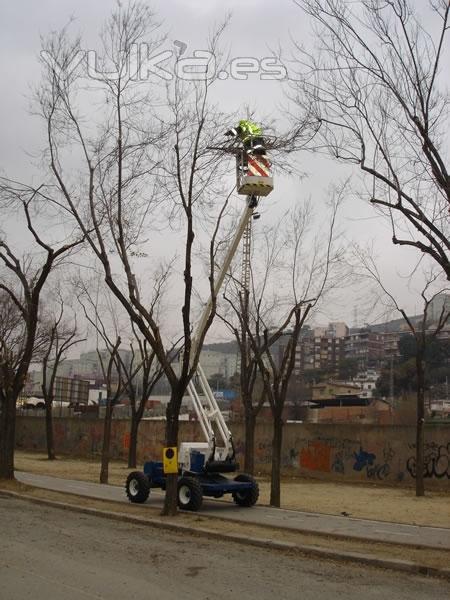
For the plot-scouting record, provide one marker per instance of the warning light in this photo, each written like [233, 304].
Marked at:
[170, 460]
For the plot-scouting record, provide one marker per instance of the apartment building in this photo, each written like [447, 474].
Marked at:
[366, 346]
[321, 348]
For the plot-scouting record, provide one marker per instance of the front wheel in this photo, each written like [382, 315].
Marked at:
[247, 497]
[137, 487]
[190, 494]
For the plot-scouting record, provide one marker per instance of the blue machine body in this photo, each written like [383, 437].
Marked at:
[213, 484]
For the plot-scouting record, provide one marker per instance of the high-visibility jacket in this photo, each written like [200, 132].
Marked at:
[248, 129]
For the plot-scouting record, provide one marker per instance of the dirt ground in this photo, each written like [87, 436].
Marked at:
[358, 500]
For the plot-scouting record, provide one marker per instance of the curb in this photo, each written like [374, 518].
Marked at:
[303, 549]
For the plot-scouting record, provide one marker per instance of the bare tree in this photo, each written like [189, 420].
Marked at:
[61, 336]
[277, 367]
[112, 375]
[104, 321]
[134, 173]
[276, 315]
[13, 336]
[141, 375]
[373, 92]
[424, 333]
[252, 391]
[237, 320]
[22, 280]
[140, 372]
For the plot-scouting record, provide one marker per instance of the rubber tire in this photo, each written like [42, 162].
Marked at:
[137, 487]
[249, 497]
[192, 497]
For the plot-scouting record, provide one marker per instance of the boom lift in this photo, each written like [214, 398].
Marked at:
[201, 464]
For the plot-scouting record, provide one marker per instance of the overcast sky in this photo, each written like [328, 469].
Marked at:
[256, 28]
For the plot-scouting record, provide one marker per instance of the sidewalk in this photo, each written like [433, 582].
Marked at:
[373, 502]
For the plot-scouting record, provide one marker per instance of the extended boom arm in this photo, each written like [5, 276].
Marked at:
[210, 417]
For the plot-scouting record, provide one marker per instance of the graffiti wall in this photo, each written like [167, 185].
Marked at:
[339, 452]
[367, 453]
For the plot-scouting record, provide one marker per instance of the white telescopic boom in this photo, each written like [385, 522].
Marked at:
[211, 413]
[252, 185]
[246, 216]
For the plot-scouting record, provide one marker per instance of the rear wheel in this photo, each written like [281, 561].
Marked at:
[249, 496]
[137, 487]
[190, 494]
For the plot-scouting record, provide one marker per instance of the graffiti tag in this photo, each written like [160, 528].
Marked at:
[363, 459]
[366, 460]
[436, 462]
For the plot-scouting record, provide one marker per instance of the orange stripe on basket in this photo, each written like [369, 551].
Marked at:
[256, 167]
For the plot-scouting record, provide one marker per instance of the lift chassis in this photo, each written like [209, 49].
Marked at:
[201, 465]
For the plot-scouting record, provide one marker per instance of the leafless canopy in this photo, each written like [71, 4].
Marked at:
[130, 157]
[374, 90]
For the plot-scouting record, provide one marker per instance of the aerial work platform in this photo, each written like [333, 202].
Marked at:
[199, 465]
[254, 174]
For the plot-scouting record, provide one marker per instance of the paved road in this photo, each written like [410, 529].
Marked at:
[49, 554]
[433, 537]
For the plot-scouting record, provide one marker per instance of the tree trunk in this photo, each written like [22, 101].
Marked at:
[107, 423]
[420, 486]
[249, 455]
[132, 450]
[276, 461]
[7, 436]
[49, 431]
[170, 507]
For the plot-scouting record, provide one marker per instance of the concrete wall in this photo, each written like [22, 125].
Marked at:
[338, 452]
